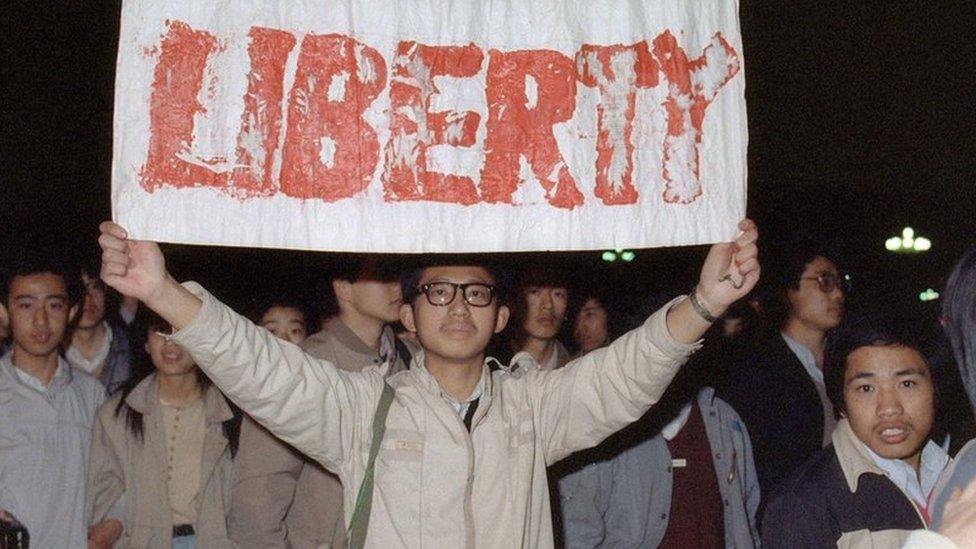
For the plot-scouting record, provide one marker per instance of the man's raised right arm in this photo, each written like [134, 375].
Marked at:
[306, 402]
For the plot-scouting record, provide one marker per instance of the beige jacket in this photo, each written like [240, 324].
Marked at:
[281, 498]
[122, 465]
[436, 484]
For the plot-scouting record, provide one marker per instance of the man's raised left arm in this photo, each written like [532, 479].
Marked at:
[605, 390]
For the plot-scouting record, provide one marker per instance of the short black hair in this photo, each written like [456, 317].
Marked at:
[609, 298]
[410, 280]
[867, 331]
[265, 301]
[36, 262]
[353, 268]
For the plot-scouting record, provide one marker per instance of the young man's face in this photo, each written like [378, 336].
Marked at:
[590, 330]
[545, 309]
[287, 323]
[889, 399]
[812, 306]
[93, 308]
[457, 331]
[168, 357]
[39, 313]
[375, 299]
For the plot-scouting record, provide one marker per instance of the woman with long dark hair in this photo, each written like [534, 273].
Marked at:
[162, 452]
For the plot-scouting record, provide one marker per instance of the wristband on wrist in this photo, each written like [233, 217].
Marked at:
[700, 309]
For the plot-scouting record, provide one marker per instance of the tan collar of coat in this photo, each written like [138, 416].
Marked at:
[854, 460]
[418, 371]
[348, 339]
[144, 399]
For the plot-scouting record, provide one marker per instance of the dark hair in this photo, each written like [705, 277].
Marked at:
[142, 366]
[535, 274]
[782, 273]
[265, 301]
[411, 278]
[353, 268]
[870, 331]
[91, 267]
[37, 262]
[606, 297]
[959, 319]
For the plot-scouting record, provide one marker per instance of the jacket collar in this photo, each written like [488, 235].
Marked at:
[348, 339]
[144, 399]
[62, 376]
[418, 370]
[854, 459]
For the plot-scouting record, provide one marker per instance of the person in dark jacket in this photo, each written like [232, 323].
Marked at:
[870, 487]
[99, 342]
[779, 389]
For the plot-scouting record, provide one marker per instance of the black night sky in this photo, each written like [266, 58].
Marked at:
[859, 125]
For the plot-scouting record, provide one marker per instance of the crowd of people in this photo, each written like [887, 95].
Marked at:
[462, 403]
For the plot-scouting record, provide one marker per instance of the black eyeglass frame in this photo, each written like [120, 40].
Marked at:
[425, 289]
[828, 282]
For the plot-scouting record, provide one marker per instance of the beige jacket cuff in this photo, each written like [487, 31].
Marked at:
[661, 336]
[198, 334]
[927, 539]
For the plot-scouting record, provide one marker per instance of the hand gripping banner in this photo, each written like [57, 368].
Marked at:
[430, 126]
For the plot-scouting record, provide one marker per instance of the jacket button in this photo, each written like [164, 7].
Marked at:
[669, 468]
[726, 503]
[664, 516]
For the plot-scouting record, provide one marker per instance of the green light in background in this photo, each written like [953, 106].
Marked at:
[612, 255]
[908, 242]
[928, 295]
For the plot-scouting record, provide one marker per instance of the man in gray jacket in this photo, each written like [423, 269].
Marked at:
[47, 408]
[282, 498]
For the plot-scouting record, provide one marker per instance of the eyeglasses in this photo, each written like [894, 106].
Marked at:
[828, 282]
[475, 294]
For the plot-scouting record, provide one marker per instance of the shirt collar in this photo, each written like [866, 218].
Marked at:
[672, 429]
[461, 407]
[61, 379]
[144, 398]
[933, 461]
[75, 357]
[857, 459]
[806, 358]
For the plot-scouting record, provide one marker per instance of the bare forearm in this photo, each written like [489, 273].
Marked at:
[685, 324]
[174, 303]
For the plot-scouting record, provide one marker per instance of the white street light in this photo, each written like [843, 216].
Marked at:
[908, 242]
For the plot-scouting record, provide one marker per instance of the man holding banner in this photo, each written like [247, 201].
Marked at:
[460, 460]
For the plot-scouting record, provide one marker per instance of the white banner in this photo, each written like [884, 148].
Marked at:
[430, 126]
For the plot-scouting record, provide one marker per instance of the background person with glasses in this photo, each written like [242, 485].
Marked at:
[779, 389]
